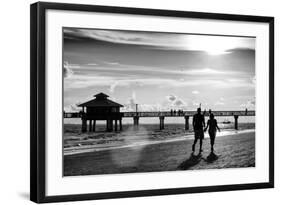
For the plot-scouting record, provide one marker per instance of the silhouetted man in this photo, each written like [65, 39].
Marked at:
[198, 123]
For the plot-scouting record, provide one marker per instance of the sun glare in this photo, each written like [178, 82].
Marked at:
[213, 45]
[215, 52]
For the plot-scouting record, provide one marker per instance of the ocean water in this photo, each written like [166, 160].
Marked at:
[131, 136]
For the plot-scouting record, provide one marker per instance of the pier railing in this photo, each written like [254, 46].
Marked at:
[170, 114]
[187, 113]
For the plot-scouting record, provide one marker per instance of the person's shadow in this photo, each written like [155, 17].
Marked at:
[190, 162]
[211, 157]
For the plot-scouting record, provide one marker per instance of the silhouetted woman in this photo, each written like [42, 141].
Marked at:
[213, 126]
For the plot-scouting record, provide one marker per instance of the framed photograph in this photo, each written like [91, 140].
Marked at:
[129, 102]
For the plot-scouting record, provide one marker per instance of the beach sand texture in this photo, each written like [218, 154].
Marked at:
[232, 150]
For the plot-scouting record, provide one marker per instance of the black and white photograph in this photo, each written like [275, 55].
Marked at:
[143, 101]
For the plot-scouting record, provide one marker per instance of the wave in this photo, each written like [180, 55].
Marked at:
[133, 142]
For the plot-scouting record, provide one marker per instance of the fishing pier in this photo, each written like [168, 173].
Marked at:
[104, 109]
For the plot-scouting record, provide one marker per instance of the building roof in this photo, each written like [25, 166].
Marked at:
[100, 101]
[101, 95]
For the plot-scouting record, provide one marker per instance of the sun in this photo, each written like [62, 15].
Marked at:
[213, 45]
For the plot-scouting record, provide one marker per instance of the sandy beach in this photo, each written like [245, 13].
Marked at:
[115, 153]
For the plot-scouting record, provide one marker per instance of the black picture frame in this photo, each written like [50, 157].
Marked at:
[38, 101]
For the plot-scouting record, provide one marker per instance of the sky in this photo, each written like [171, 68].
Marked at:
[158, 71]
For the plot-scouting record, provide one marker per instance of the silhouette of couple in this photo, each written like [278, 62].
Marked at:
[199, 128]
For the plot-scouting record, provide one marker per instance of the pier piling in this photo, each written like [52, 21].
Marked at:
[120, 124]
[84, 125]
[136, 120]
[186, 122]
[115, 126]
[90, 126]
[236, 122]
[94, 125]
[109, 125]
[161, 118]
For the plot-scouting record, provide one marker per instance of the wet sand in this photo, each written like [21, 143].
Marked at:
[234, 150]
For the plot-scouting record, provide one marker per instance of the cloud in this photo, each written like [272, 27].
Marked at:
[130, 106]
[110, 81]
[150, 107]
[137, 69]
[219, 103]
[213, 45]
[171, 97]
[108, 73]
[179, 103]
[208, 71]
[174, 102]
[171, 102]
[250, 104]
[112, 63]
[72, 108]
[113, 86]
[67, 71]
[195, 103]
[195, 92]
[92, 64]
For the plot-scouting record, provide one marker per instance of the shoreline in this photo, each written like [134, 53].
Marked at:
[190, 136]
